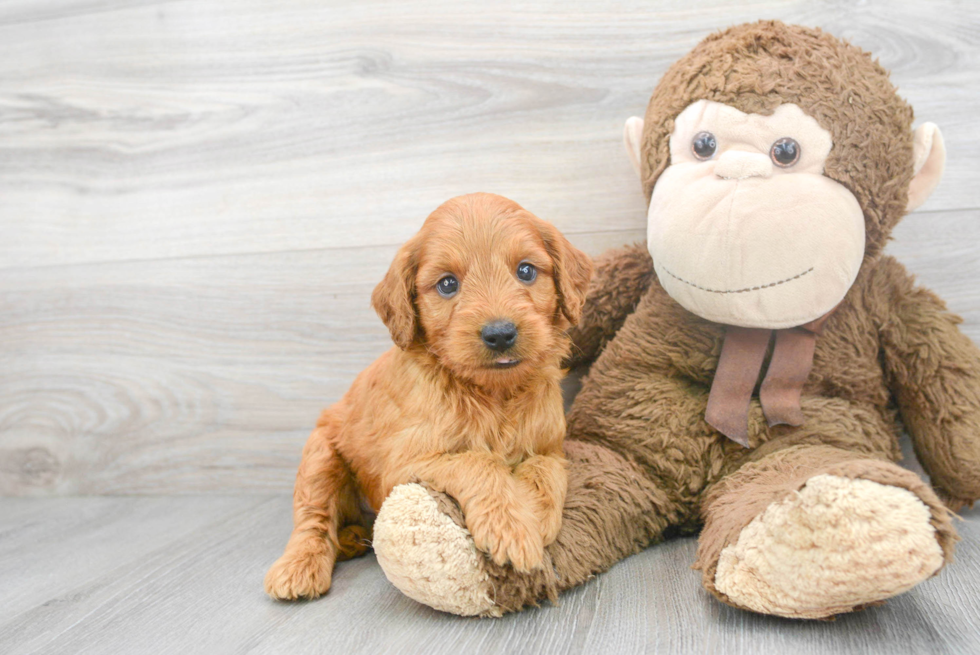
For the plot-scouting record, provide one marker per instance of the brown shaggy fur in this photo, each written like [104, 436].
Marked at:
[643, 463]
[438, 409]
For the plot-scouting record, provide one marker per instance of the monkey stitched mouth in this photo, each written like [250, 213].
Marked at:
[745, 290]
[505, 362]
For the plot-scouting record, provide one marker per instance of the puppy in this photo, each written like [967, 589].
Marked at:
[468, 402]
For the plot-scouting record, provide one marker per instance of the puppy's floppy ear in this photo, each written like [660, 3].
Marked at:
[573, 270]
[394, 297]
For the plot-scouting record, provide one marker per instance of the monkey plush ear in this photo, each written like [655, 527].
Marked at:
[632, 135]
[929, 153]
[394, 297]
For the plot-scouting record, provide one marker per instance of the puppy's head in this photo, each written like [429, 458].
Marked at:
[487, 288]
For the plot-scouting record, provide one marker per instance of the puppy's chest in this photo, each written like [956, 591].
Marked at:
[501, 430]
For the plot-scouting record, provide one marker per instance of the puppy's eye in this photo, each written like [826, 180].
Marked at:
[526, 272]
[447, 286]
[703, 145]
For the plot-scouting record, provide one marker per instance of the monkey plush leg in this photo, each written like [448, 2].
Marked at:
[611, 511]
[425, 550]
[814, 531]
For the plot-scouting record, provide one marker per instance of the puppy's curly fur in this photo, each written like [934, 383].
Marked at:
[442, 406]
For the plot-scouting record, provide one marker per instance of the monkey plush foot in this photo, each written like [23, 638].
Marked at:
[430, 557]
[834, 546]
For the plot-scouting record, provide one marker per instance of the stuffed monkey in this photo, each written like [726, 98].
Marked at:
[754, 363]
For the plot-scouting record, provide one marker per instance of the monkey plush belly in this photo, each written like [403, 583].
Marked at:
[662, 337]
[652, 383]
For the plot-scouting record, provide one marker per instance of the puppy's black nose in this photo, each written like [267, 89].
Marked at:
[499, 335]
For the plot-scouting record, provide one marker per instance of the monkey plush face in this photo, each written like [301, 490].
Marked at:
[744, 228]
[777, 159]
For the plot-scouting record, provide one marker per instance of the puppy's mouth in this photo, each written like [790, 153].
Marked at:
[505, 362]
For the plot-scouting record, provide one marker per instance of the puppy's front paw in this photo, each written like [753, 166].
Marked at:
[549, 521]
[508, 537]
[302, 572]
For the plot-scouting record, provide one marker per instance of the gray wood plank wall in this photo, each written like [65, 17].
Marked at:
[197, 197]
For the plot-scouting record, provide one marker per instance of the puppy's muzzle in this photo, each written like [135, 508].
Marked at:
[499, 336]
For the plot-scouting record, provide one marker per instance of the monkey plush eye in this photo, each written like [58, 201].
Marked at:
[704, 145]
[447, 286]
[785, 152]
[526, 272]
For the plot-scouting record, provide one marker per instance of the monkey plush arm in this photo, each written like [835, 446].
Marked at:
[934, 373]
[622, 276]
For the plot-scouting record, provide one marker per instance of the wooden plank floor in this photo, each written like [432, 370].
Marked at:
[182, 574]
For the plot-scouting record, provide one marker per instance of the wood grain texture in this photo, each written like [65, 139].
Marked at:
[196, 197]
[184, 575]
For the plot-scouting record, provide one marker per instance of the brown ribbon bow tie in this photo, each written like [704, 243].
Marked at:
[738, 370]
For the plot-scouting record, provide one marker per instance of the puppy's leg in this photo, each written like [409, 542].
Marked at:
[500, 523]
[324, 496]
[353, 540]
[543, 480]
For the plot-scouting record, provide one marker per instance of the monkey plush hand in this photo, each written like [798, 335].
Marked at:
[752, 365]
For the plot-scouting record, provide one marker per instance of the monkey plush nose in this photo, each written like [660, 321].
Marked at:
[738, 165]
[499, 335]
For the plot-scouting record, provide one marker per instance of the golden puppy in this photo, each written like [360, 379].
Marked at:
[468, 402]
